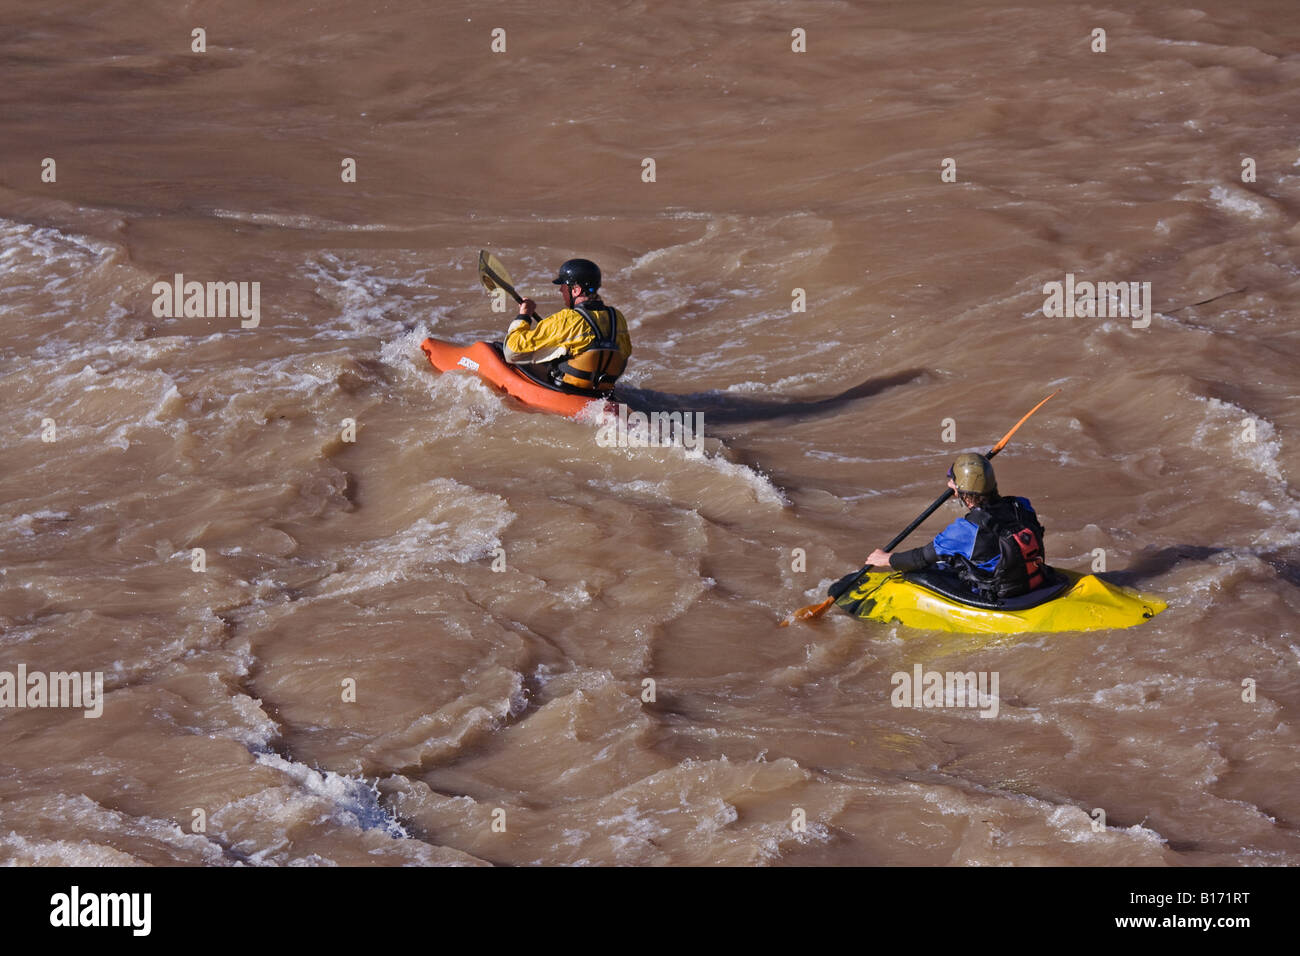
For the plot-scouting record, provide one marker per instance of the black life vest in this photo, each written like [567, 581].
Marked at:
[598, 366]
[1021, 566]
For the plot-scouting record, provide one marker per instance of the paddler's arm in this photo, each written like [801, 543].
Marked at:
[912, 560]
[527, 308]
[527, 344]
[624, 338]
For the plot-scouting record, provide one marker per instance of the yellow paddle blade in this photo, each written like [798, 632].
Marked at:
[492, 273]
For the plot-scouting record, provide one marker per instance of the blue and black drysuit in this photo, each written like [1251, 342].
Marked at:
[988, 548]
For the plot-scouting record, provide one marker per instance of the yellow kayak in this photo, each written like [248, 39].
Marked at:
[935, 601]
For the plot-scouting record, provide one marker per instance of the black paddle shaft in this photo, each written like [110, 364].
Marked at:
[938, 502]
[846, 582]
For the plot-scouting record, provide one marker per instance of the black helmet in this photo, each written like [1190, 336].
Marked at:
[579, 272]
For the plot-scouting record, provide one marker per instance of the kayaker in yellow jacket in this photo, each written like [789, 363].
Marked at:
[585, 346]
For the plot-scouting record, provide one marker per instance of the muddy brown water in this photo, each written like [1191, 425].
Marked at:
[397, 641]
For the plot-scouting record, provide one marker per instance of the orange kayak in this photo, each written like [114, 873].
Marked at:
[486, 362]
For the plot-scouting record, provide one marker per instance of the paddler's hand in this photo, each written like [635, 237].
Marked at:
[527, 308]
[878, 559]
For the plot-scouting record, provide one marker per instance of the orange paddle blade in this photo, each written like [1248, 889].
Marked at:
[1007, 437]
[810, 613]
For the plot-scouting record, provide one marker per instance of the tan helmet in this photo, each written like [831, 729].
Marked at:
[974, 475]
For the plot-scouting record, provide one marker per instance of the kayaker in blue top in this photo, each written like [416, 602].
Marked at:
[997, 548]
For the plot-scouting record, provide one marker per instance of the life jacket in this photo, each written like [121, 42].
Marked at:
[1021, 567]
[597, 367]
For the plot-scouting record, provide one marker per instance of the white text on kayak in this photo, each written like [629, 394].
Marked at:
[55, 689]
[949, 689]
[211, 300]
[1102, 300]
[103, 909]
[655, 430]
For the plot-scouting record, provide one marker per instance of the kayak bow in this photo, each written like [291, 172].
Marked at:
[486, 362]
